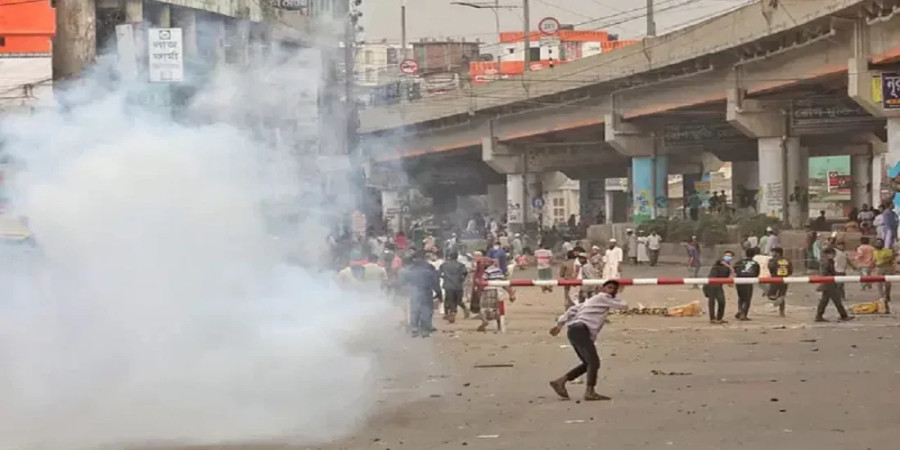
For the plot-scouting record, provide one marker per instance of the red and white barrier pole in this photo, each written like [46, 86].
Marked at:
[697, 281]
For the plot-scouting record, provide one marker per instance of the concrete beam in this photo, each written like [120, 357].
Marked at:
[502, 158]
[628, 138]
[754, 118]
[859, 77]
[547, 159]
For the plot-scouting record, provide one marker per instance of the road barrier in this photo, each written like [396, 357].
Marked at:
[696, 281]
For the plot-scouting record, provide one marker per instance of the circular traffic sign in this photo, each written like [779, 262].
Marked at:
[537, 202]
[548, 26]
[409, 67]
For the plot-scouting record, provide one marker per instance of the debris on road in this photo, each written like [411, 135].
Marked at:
[662, 372]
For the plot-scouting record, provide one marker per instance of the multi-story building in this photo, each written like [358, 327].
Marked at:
[544, 52]
[26, 69]
[377, 63]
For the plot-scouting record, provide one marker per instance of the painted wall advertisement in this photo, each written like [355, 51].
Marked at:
[645, 204]
[839, 183]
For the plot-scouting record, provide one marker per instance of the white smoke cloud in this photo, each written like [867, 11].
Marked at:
[157, 306]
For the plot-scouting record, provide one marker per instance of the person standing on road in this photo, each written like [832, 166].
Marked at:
[569, 271]
[884, 265]
[425, 287]
[654, 242]
[612, 261]
[587, 272]
[693, 262]
[745, 268]
[831, 292]
[632, 244]
[715, 293]
[771, 241]
[643, 253]
[453, 275]
[544, 259]
[584, 322]
[890, 224]
[779, 267]
[865, 259]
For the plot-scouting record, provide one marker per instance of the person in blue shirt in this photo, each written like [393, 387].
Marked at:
[423, 283]
[498, 254]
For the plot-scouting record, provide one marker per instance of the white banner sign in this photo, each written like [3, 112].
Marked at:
[166, 51]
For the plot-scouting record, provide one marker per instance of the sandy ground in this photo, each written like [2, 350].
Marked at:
[767, 384]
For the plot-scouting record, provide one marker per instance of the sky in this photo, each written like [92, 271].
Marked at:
[440, 19]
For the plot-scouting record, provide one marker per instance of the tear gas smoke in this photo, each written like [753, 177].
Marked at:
[156, 306]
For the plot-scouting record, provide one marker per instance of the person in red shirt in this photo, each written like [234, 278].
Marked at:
[401, 242]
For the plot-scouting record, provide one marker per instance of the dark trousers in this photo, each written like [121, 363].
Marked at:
[745, 295]
[654, 257]
[716, 297]
[831, 293]
[452, 300]
[580, 338]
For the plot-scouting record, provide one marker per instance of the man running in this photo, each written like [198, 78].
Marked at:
[779, 267]
[584, 322]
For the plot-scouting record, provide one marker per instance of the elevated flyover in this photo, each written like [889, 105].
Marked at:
[786, 70]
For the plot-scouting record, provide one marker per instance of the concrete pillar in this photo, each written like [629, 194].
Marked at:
[861, 174]
[892, 158]
[392, 209]
[744, 183]
[608, 199]
[163, 16]
[75, 42]
[649, 186]
[772, 196]
[134, 11]
[519, 191]
[496, 200]
[877, 178]
[186, 19]
[798, 185]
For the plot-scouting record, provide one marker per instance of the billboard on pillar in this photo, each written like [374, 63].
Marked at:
[165, 48]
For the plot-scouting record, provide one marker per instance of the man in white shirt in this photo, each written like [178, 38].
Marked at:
[584, 322]
[654, 243]
[612, 261]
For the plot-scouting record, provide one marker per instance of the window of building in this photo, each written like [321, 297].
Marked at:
[535, 53]
[370, 75]
[559, 209]
[369, 56]
[2, 41]
[392, 56]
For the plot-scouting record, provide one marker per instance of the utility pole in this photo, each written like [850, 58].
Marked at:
[651, 22]
[403, 30]
[526, 22]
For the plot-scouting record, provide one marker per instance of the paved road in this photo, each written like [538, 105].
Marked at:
[768, 384]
